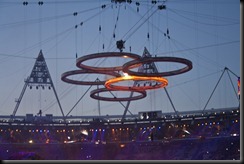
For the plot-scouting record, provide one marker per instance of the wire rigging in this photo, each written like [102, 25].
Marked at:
[115, 27]
[207, 16]
[203, 23]
[45, 19]
[52, 37]
[127, 35]
[196, 53]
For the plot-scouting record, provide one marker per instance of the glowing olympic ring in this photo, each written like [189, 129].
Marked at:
[136, 63]
[80, 60]
[161, 82]
[65, 78]
[96, 91]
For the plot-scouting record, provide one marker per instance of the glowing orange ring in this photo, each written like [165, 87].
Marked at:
[80, 60]
[136, 63]
[162, 82]
[65, 78]
[96, 91]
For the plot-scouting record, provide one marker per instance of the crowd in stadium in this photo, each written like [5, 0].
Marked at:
[217, 148]
[208, 138]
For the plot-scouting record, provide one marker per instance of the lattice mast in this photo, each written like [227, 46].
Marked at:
[39, 77]
[147, 68]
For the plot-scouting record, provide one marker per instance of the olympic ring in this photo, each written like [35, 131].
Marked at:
[102, 55]
[75, 72]
[155, 79]
[160, 83]
[136, 63]
[94, 92]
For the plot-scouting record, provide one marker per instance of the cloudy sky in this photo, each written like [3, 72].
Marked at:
[206, 32]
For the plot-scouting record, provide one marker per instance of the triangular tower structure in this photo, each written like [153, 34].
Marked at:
[147, 68]
[39, 77]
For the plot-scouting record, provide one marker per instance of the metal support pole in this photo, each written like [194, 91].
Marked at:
[98, 104]
[171, 101]
[57, 99]
[127, 107]
[214, 89]
[233, 87]
[78, 100]
[20, 97]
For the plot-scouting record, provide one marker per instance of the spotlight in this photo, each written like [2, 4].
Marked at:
[120, 45]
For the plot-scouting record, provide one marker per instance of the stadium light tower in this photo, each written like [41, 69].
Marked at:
[39, 77]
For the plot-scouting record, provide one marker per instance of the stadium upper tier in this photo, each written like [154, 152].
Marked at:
[224, 122]
[144, 117]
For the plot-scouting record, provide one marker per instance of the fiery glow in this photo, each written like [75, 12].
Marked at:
[125, 74]
[160, 83]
